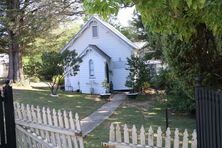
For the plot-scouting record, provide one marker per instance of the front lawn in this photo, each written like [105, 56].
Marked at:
[139, 112]
[81, 103]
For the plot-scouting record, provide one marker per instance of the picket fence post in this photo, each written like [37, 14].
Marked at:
[168, 138]
[126, 134]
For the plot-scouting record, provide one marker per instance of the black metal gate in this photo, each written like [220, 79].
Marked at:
[209, 117]
[7, 121]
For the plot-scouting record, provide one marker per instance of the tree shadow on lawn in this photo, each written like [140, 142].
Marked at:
[81, 103]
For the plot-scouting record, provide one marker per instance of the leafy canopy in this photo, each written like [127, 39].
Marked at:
[177, 17]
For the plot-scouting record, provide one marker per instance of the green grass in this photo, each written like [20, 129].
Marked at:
[81, 103]
[142, 111]
[154, 116]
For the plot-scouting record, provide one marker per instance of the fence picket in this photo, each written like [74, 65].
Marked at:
[24, 114]
[61, 124]
[78, 127]
[142, 135]
[176, 138]
[111, 133]
[118, 134]
[72, 126]
[19, 111]
[39, 120]
[159, 137]
[126, 134]
[185, 139]
[150, 136]
[66, 120]
[52, 135]
[134, 135]
[168, 138]
[44, 116]
[55, 123]
[29, 112]
[194, 139]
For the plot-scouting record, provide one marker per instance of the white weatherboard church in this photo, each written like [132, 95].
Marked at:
[103, 50]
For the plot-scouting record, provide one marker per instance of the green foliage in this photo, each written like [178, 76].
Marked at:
[58, 79]
[32, 67]
[54, 40]
[106, 85]
[139, 73]
[161, 81]
[104, 7]
[177, 97]
[53, 64]
[135, 31]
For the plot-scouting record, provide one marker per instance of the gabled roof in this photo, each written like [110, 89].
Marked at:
[105, 24]
[97, 49]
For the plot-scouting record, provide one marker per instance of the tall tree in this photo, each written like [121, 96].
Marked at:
[195, 24]
[23, 20]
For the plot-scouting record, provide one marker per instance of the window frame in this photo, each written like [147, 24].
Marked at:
[97, 32]
[91, 69]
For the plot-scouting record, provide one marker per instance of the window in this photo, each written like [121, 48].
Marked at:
[94, 31]
[91, 68]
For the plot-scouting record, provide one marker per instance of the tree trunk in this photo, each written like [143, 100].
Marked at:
[15, 72]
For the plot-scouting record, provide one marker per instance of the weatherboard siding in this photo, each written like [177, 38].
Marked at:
[106, 40]
[83, 75]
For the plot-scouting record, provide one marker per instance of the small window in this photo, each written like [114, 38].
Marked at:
[91, 68]
[94, 31]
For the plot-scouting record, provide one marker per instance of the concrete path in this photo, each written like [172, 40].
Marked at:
[96, 118]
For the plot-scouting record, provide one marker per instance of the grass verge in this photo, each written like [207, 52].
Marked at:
[81, 103]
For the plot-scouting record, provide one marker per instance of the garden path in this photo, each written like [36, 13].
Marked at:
[96, 118]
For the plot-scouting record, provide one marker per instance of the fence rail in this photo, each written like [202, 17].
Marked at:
[124, 137]
[56, 128]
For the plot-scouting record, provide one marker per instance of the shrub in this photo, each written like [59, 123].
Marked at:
[177, 98]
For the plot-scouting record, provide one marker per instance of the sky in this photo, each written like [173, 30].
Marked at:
[125, 15]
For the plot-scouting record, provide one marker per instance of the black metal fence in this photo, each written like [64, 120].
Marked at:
[7, 121]
[209, 117]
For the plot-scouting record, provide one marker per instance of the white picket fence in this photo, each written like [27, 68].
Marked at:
[131, 138]
[45, 127]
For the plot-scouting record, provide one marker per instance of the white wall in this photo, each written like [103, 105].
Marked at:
[107, 41]
[83, 77]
